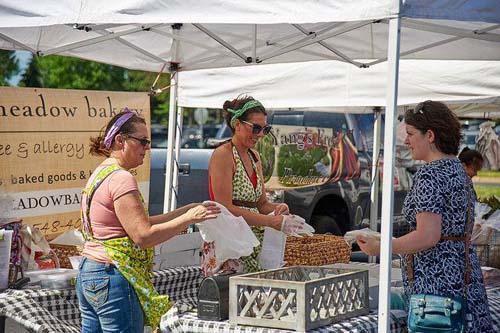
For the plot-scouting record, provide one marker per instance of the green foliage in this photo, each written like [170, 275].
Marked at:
[299, 162]
[32, 76]
[142, 81]
[487, 193]
[265, 147]
[73, 73]
[9, 66]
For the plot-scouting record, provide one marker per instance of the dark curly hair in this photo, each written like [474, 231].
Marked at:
[437, 117]
[237, 103]
[97, 143]
[471, 157]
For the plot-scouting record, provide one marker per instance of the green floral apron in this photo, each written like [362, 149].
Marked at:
[134, 263]
[243, 190]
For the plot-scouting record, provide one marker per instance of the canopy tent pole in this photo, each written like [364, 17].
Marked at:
[171, 164]
[384, 299]
[375, 188]
[175, 177]
[170, 143]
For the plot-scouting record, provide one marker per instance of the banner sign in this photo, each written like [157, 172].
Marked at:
[294, 157]
[44, 150]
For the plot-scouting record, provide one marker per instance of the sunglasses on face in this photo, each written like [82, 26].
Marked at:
[256, 129]
[143, 142]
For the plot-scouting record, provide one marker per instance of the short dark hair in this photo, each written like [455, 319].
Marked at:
[437, 117]
[471, 157]
[238, 103]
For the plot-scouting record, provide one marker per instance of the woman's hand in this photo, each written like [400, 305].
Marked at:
[281, 209]
[369, 245]
[202, 212]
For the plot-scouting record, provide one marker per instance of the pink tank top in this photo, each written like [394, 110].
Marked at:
[105, 223]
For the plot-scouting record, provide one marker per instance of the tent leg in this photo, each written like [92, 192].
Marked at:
[388, 179]
[170, 145]
[175, 176]
[375, 188]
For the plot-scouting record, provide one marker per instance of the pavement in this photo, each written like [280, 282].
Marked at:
[486, 180]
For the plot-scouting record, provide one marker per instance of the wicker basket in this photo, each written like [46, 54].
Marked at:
[316, 250]
[63, 252]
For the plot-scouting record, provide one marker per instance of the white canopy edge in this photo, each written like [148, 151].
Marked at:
[336, 86]
[28, 13]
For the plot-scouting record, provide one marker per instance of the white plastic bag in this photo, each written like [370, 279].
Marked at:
[350, 236]
[232, 235]
[273, 249]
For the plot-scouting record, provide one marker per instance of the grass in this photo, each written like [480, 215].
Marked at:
[488, 174]
[487, 191]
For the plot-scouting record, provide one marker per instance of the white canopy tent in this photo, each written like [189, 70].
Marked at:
[470, 88]
[193, 34]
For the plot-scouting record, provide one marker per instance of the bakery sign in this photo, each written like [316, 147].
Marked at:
[44, 150]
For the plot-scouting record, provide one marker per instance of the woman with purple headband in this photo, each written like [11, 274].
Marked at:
[114, 285]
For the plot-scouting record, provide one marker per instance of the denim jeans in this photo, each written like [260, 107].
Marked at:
[107, 302]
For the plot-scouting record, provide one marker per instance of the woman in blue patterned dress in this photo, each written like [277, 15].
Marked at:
[436, 208]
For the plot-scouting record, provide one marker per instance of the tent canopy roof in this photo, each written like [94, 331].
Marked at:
[222, 33]
[325, 84]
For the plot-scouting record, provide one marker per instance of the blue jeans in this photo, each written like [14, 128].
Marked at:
[108, 303]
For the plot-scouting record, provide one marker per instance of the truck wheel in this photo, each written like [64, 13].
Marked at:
[323, 224]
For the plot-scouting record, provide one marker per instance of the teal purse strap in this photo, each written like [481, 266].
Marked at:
[466, 238]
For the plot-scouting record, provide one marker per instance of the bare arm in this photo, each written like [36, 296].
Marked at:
[130, 211]
[221, 173]
[427, 235]
[162, 218]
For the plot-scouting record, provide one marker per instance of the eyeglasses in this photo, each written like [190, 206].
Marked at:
[143, 142]
[256, 129]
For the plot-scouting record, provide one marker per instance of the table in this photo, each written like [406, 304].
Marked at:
[177, 321]
[45, 310]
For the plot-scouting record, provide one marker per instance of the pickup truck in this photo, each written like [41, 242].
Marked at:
[319, 163]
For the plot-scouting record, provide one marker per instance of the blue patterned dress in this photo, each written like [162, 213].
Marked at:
[439, 187]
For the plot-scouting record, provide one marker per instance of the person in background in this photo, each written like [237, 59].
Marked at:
[114, 287]
[437, 208]
[236, 181]
[472, 160]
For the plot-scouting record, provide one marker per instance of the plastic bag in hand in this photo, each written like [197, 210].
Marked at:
[231, 235]
[294, 225]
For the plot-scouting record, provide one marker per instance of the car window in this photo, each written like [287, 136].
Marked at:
[287, 118]
[158, 136]
[335, 121]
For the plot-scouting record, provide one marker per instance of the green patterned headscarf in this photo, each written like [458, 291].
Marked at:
[239, 112]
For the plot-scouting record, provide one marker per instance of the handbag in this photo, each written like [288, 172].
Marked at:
[434, 313]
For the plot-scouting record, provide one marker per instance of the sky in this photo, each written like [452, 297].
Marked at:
[24, 58]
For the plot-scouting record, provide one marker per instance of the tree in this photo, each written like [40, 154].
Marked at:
[9, 66]
[32, 77]
[142, 81]
[72, 73]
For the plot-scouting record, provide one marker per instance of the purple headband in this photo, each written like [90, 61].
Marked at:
[108, 139]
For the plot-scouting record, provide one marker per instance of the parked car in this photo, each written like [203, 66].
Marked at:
[330, 203]
[196, 137]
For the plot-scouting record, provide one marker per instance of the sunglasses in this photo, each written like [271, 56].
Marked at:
[143, 142]
[256, 129]
[420, 108]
